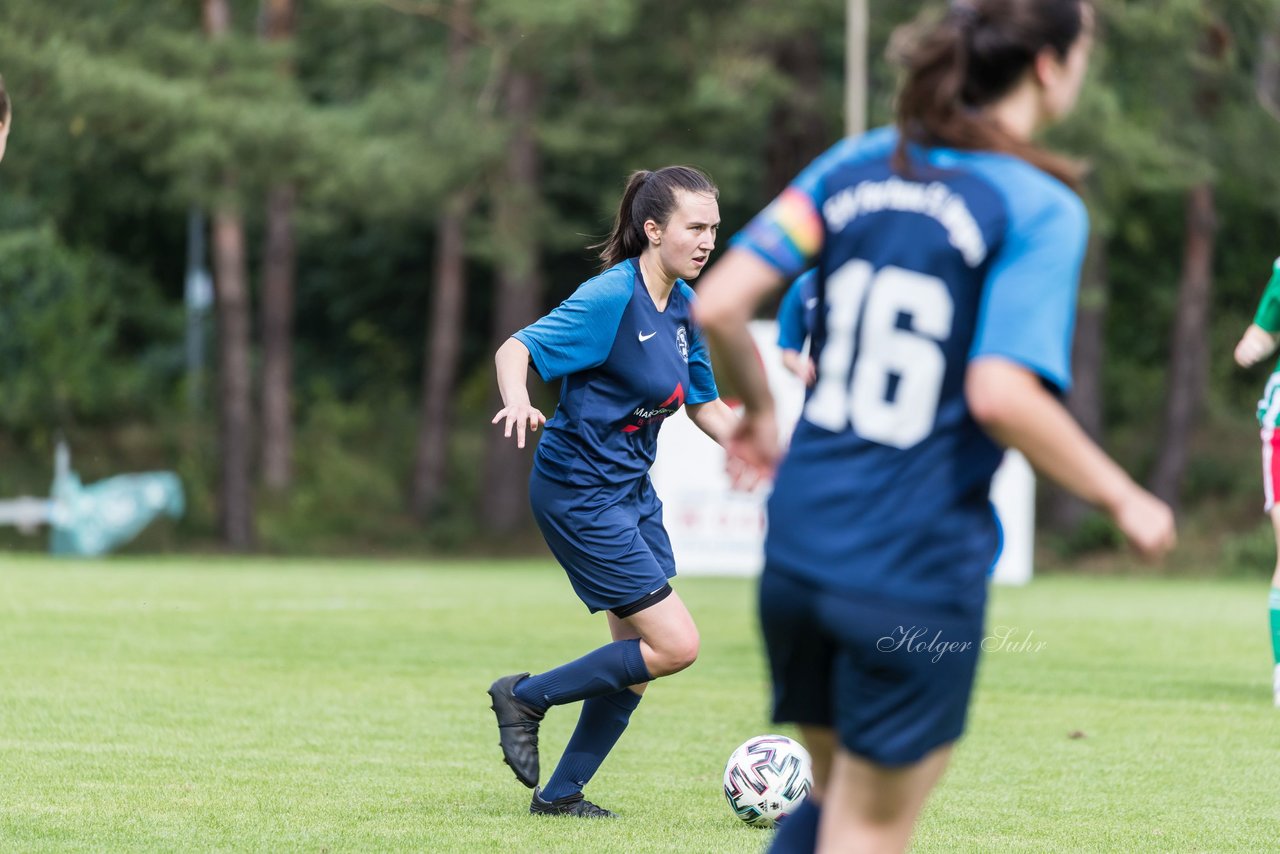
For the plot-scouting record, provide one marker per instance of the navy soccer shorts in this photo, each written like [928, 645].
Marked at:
[893, 678]
[609, 539]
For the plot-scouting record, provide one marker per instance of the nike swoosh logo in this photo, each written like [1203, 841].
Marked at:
[644, 337]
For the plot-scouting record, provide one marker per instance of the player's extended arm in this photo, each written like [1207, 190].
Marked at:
[1255, 345]
[1013, 406]
[512, 362]
[714, 418]
[1259, 340]
[727, 298]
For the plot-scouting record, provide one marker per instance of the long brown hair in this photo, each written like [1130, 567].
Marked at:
[970, 58]
[648, 196]
[4, 104]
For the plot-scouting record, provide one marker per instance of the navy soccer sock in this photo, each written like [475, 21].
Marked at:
[610, 668]
[798, 833]
[600, 725]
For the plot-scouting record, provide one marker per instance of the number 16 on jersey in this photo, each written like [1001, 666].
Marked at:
[892, 395]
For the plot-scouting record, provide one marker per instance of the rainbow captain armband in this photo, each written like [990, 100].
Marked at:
[787, 234]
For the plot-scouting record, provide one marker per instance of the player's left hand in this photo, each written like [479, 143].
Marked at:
[1255, 345]
[810, 375]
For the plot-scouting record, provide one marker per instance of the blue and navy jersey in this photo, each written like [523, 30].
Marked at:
[797, 310]
[969, 254]
[625, 366]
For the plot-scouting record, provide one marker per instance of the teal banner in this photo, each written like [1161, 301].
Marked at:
[94, 519]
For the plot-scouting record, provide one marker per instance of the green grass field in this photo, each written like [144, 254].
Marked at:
[189, 704]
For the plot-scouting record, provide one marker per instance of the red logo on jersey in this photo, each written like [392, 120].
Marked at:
[643, 417]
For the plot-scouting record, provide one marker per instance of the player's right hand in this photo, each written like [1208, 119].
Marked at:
[521, 416]
[752, 452]
[1255, 345]
[1147, 523]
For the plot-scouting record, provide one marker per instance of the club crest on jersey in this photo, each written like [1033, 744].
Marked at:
[682, 342]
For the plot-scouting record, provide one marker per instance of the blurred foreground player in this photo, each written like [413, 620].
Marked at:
[948, 250]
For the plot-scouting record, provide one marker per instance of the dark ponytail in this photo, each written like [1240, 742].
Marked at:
[648, 196]
[4, 104]
[969, 59]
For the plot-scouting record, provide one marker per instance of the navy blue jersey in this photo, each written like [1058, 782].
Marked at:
[970, 254]
[626, 367]
[796, 312]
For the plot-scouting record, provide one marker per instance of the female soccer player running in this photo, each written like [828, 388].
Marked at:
[630, 355]
[948, 250]
[1258, 342]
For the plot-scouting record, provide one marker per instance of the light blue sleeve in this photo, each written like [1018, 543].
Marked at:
[793, 325]
[578, 334]
[702, 380]
[1029, 303]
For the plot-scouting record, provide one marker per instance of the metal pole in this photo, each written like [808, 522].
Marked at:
[198, 297]
[855, 67]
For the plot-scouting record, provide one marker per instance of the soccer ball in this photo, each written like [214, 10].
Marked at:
[767, 779]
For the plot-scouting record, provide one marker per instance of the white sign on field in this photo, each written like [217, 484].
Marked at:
[716, 530]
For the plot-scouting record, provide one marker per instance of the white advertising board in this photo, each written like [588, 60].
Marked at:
[716, 530]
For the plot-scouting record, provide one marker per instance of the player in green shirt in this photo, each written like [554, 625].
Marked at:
[1258, 342]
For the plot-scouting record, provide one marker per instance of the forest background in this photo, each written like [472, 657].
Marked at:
[382, 191]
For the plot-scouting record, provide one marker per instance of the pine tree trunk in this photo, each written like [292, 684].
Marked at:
[443, 348]
[216, 16]
[1063, 511]
[1266, 76]
[797, 124]
[504, 495]
[279, 264]
[1189, 348]
[278, 20]
[278, 273]
[235, 382]
[440, 366]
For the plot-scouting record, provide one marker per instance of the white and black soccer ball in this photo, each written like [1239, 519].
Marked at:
[767, 779]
